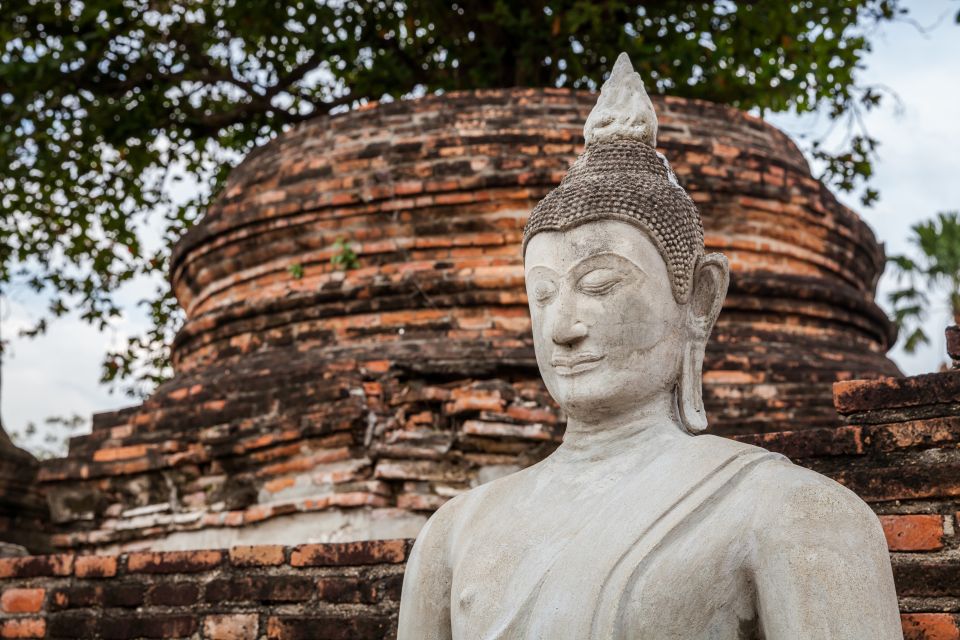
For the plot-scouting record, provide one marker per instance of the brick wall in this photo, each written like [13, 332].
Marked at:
[311, 592]
[910, 427]
[337, 591]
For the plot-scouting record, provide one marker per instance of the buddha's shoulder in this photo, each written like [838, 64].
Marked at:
[466, 507]
[787, 497]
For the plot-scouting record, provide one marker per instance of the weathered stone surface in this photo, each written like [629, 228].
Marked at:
[921, 394]
[354, 592]
[953, 345]
[24, 516]
[239, 626]
[920, 532]
[931, 626]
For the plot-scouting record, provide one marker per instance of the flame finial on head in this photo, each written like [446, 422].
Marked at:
[623, 109]
[621, 176]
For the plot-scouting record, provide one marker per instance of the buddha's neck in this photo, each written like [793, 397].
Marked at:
[651, 427]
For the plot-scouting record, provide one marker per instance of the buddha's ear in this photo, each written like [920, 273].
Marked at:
[710, 281]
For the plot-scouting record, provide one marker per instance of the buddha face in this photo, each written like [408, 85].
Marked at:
[608, 333]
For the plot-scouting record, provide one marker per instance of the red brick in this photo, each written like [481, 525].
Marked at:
[387, 588]
[350, 553]
[907, 434]
[252, 589]
[173, 561]
[339, 590]
[123, 594]
[807, 443]
[485, 428]
[35, 566]
[884, 483]
[886, 393]
[420, 501]
[179, 394]
[474, 400]
[953, 342]
[173, 594]
[237, 626]
[926, 575]
[120, 453]
[139, 625]
[279, 484]
[930, 626]
[257, 556]
[74, 596]
[95, 566]
[913, 532]
[377, 366]
[535, 414]
[304, 627]
[23, 628]
[72, 624]
[22, 600]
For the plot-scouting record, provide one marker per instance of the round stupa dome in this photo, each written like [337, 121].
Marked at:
[431, 195]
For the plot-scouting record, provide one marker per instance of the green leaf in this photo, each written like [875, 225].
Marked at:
[914, 340]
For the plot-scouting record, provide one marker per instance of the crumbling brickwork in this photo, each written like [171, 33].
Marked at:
[24, 521]
[311, 592]
[320, 400]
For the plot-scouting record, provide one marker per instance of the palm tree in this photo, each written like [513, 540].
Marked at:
[936, 273]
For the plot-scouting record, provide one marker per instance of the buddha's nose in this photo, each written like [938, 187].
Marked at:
[569, 333]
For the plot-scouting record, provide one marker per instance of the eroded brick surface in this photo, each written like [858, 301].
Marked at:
[95, 566]
[22, 600]
[23, 628]
[953, 345]
[334, 591]
[923, 532]
[238, 626]
[930, 626]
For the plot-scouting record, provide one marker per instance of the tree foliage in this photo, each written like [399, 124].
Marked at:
[104, 103]
[935, 271]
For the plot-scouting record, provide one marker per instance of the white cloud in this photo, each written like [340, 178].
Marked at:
[58, 373]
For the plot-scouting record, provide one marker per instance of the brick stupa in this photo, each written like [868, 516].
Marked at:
[330, 400]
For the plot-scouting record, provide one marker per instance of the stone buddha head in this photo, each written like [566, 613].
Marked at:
[622, 295]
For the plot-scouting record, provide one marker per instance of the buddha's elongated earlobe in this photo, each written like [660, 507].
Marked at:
[690, 390]
[711, 278]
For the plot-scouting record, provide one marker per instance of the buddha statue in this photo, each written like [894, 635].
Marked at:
[637, 527]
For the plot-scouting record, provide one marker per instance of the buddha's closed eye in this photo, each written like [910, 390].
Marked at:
[544, 291]
[599, 282]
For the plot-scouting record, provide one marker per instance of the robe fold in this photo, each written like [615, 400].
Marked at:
[687, 479]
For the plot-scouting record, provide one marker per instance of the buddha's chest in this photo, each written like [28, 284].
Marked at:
[525, 571]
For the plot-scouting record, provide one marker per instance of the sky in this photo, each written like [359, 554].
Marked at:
[917, 173]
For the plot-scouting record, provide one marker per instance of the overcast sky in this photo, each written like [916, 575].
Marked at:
[918, 174]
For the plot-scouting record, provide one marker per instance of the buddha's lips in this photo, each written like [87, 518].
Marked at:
[570, 365]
